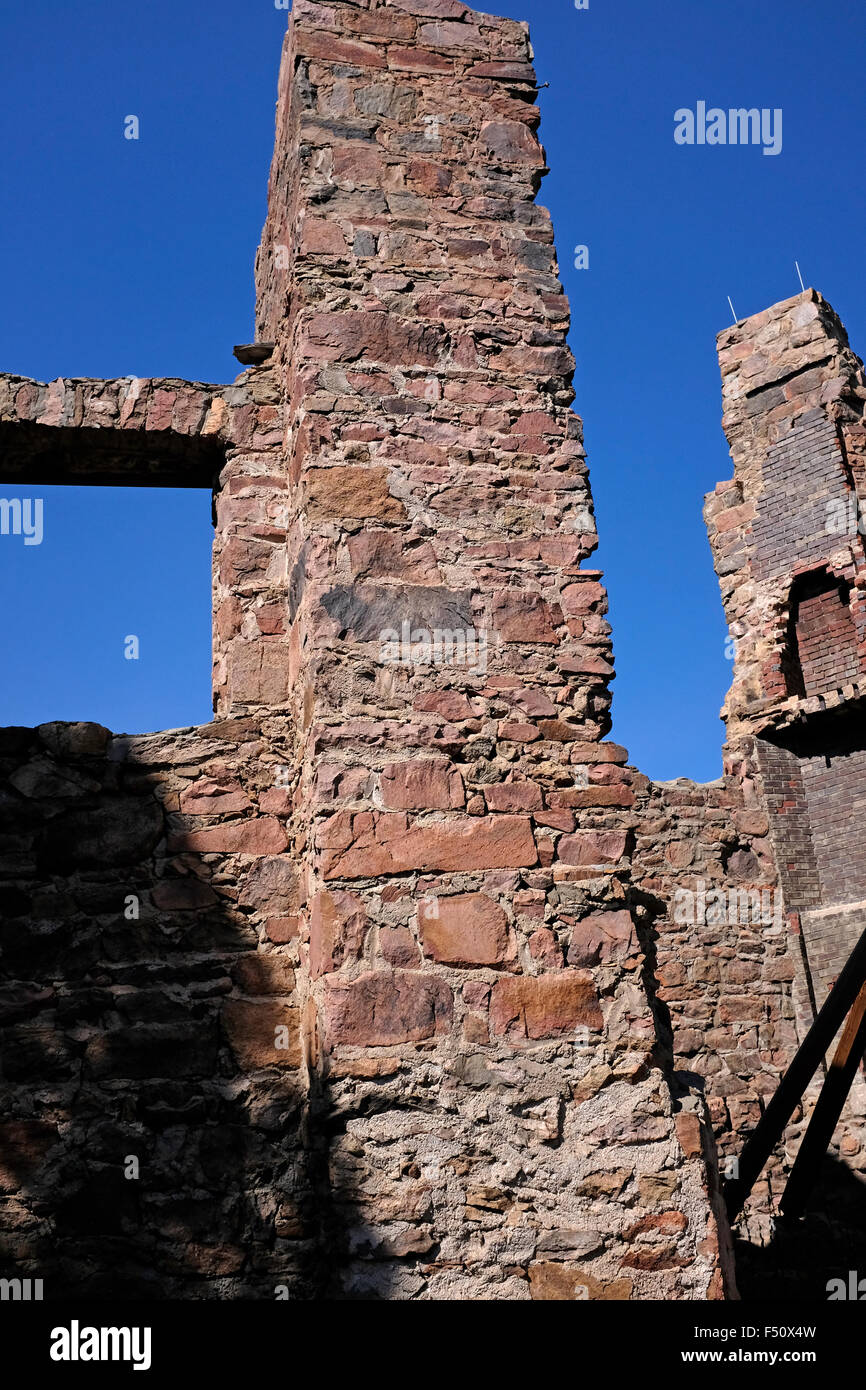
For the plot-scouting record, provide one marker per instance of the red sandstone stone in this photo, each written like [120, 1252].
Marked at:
[433, 9]
[688, 1129]
[385, 1007]
[380, 22]
[583, 598]
[281, 930]
[337, 50]
[384, 845]
[421, 786]
[598, 753]
[558, 731]
[602, 939]
[516, 732]
[337, 925]
[506, 71]
[544, 947]
[617, 795]
[377, 554]
[555, 820]
[449, 704]
[208, 797]
[429, 178]
[446, 35]
[522, 617]
[378, 337]
[510, 142]
[256, 1031]
[322, 237]
[471, 929]
[261, 835]
[545, 1006]
[259, 673]
[359, 166]
[258, 974]
[271, 619]
[399, 947]
[352, 492]
[514, 796]
[557, 1283]
[418, 60]
[587, 847]
[276, 801]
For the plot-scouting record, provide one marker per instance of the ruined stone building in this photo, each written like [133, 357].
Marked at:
[396, 979]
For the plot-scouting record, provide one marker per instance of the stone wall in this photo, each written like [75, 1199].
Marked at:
[416, 841]
[151, 1091]
[485, 1053]
[397, 980]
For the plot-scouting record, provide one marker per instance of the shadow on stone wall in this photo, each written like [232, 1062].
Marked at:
[127, 1035]
[799, 1259]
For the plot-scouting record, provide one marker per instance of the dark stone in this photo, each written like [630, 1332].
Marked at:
[120, 830]
[254, 354]
[367, 611]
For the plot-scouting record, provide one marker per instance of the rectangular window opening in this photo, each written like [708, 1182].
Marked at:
[108, 605]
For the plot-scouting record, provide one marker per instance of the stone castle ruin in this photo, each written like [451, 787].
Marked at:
[396, 981]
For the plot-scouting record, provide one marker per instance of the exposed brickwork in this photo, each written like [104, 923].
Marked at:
[835, 795]
[802, 475]
[787, 804]
[826, 638]
[786, 537]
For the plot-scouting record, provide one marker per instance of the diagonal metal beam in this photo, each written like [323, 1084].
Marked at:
[828, 1110]
[771, 1126]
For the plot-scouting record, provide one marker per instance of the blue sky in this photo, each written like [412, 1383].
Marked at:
[121, 257]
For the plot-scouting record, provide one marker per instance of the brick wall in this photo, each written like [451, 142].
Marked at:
[802, 475]
[826, 638]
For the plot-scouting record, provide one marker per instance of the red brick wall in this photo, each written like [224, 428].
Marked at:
[826, 637]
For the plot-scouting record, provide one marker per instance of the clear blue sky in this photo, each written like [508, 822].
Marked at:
[120, 257]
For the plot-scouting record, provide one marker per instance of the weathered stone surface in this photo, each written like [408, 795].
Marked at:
[560, 1282]
[272, 885]
[545, 1006]
[208, 797]
[520, 617]
[262, 1034]
[469, 930]
[421, 786]
[588, 847]
[351, 492]
[337, 923]
[368, 613]
[602, 938]
[260, 835]
[383, 845]
[384, 1008]
[510, 142]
